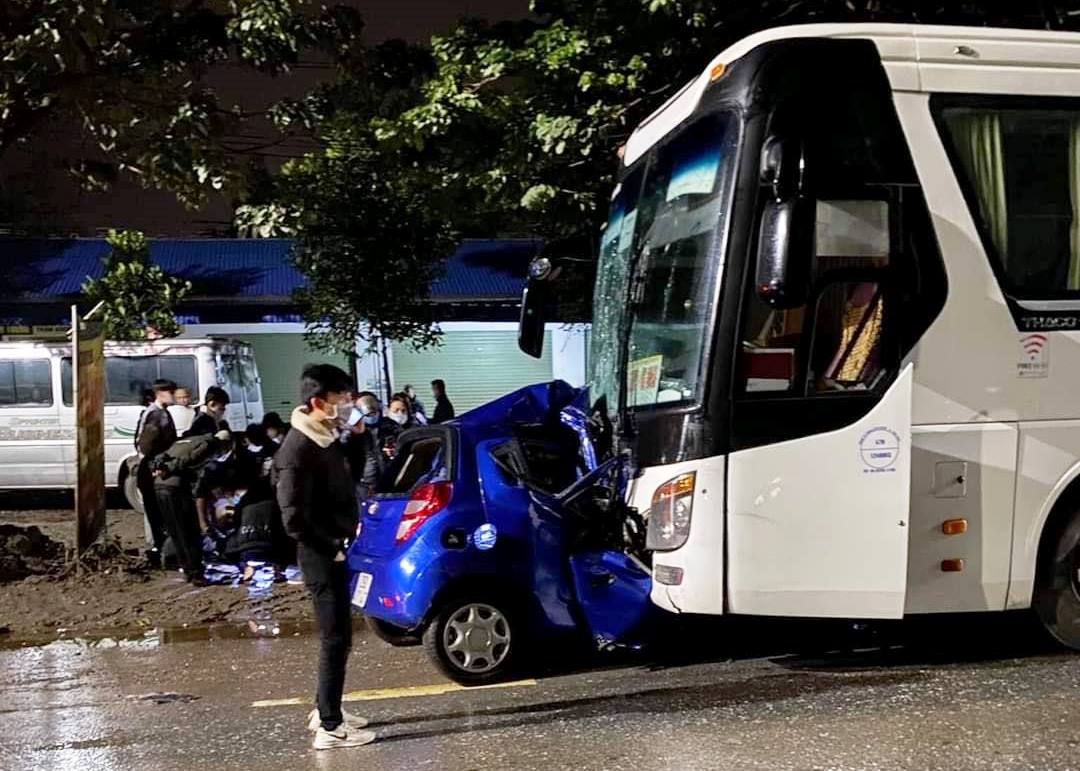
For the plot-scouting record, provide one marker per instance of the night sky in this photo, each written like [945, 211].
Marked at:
[34, 172]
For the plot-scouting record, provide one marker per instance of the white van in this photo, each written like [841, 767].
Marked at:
[37, 416]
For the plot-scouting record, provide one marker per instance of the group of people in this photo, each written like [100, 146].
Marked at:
[208, 493]
[205, 490]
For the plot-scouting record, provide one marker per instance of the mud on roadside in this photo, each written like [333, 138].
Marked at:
[116, 592]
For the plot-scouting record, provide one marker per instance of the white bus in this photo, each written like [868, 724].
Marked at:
[37, 417]
[837, 323]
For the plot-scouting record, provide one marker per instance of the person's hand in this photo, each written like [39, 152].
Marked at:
[340, 556]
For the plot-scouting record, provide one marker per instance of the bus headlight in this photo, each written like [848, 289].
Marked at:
[669, 515]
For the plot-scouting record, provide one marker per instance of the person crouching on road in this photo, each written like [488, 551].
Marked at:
[175, 472]
[320, 511]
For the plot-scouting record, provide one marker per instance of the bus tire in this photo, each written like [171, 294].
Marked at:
[1057, 586]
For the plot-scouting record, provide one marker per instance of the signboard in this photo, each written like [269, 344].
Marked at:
[88, 347]
[643, 380]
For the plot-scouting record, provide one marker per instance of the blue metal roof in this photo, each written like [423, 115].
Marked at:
[47, 269]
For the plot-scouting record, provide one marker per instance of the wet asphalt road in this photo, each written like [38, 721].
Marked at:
[964, 697]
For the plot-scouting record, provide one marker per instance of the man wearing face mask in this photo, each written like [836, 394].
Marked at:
[211, 417]
[372, 434]
[319, 510]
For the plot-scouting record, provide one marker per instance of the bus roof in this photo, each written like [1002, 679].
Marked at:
[927, 58]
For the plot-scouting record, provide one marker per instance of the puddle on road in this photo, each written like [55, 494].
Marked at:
[151, 638]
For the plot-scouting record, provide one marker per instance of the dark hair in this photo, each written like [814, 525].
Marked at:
[318, 380]
[362, 394]
[274, 421]
[256, 434]
[147, 397]
[163, 385]
[440, 384]
[216, 394]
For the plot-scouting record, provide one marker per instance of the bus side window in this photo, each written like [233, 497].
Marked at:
[833, 343]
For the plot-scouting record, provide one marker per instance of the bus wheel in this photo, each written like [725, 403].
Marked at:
[1057, 590]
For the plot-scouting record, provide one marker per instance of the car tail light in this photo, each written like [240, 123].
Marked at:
[669, 515]
[426, 502]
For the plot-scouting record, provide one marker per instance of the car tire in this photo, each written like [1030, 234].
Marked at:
[132, 493]
[395, 635]
[491, 623]
[1057, 587]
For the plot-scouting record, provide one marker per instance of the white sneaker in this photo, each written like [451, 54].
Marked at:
[341, 737]
[352, 722]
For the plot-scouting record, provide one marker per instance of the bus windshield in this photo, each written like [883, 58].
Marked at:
[659, 268]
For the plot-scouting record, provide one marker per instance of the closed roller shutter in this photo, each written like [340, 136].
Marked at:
[281, 358]
[477, 367]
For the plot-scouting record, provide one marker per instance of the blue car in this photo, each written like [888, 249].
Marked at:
[498, 533]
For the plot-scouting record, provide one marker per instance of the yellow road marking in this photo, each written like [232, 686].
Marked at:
[405, 692]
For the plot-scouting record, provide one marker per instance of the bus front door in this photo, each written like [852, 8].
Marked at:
[818, 525]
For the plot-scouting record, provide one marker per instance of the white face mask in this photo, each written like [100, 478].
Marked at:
[399, 417]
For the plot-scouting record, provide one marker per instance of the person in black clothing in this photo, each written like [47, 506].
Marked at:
[370, 444]
[320, 511]
[211, 417]
[154, 434]
[229, 469]
[175, 472]
[444, 410]
[276, 428]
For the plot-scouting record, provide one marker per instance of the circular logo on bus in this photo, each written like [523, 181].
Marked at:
[879, 448]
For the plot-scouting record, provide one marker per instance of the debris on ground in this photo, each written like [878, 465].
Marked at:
[165, 698]
[26, 551]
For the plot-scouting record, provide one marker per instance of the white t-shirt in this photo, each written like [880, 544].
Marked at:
[182, 417]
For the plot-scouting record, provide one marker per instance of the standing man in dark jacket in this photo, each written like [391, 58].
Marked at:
[211, 417]
[444, 410]
[320, 511]
[154, 434]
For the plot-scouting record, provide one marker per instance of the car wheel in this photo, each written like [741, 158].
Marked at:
[395, 635]
[474, 639]
[133, 494]
[1057, 589]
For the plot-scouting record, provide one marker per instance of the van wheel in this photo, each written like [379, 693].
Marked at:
[395, 635]
[473, 639]
[1057, 590]
[132, 493]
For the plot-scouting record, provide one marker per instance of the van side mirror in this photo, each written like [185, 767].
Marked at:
[536, 302]
[785, 252]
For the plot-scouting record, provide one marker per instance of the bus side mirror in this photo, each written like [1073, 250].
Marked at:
[785, 252]
[535, 304]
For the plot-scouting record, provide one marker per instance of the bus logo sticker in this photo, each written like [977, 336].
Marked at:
[880, 449]
[1033, 360]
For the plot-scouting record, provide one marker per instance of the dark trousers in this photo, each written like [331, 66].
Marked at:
[182, 524]
[328, 583]
[144, 480]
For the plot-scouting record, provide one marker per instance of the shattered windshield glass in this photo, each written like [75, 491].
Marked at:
[663, 230]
